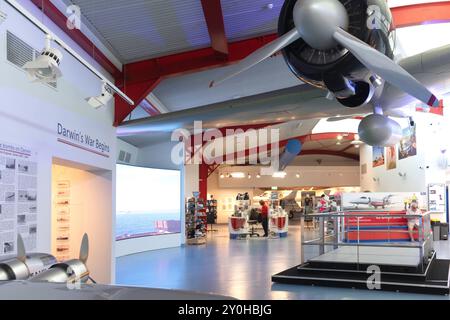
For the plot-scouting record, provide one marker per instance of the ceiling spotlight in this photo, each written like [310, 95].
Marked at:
[357, 146]
[103, 99]
[340, 137]
[45, 68]
[222, 176]
[338, 143]
[297, 176]
[249, 176]
[258, 176]
[3, 16]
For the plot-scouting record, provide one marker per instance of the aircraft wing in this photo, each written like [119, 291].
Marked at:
[297, 103]
[26, 290]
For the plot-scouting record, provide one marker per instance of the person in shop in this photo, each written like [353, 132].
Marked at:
[264, 217]
[308, 202]
[413, 223]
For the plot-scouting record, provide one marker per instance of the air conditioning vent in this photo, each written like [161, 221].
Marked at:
[127, 157]
[18, 52]
[122, 155]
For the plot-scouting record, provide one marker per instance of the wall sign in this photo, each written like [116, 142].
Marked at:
[18, 198]
[82, 140]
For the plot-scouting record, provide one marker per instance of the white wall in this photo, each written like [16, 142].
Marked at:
[318, 176]
[430, 141]
[420, 170]
[30, 113]
[157, 156]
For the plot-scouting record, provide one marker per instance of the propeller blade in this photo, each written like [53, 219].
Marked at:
[385, 67]
[84, 250]
[259, 55]
[21, 252]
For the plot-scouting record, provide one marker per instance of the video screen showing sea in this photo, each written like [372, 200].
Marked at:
[134, 224]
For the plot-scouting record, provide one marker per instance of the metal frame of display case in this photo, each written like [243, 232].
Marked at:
[337, 219]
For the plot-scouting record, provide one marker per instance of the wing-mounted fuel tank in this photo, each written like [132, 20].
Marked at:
[25, 265]
[327, 64]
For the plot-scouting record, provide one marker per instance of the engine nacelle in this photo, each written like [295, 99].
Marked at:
[336, 69]
[380, 131]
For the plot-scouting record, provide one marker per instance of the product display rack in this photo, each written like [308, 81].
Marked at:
[196, 221]
[211, 211]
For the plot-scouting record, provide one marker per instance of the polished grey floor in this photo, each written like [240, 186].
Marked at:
[239, 268]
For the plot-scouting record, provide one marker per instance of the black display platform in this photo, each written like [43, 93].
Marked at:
[435, 281]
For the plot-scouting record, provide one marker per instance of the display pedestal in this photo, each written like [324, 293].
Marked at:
[278, 225]
[196, 241]
[237, 227]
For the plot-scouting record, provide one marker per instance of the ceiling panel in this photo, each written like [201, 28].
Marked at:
[140, 29]
[246, 19]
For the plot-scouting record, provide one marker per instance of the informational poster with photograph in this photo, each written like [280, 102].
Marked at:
[436, 198]
[408, 146]
[391, 158]
[18, 197]
[62, 209]
[393, 201]
[378, 157]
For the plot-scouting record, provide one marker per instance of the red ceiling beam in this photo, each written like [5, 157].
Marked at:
[212, 10]
[330, 153]
[422, 13]
[149, 108]
[52, 12]
[140, 78]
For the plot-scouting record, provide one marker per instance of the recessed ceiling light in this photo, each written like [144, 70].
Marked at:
[280, 174]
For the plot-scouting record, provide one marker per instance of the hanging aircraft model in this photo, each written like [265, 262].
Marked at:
[344, 50]
[347, 48]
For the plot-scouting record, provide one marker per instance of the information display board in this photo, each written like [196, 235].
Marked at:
[436, 198]
[18, 197]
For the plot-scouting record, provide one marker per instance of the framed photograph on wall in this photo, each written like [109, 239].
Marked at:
[391, 158]
[378, 157]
